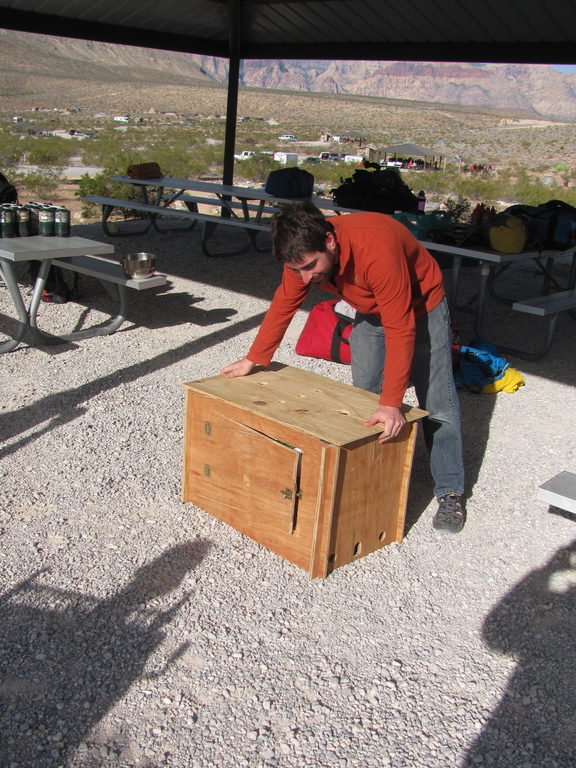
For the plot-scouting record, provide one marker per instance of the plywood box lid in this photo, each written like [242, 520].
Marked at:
[325, 409]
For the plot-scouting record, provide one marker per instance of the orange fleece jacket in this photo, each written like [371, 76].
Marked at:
[383, 270]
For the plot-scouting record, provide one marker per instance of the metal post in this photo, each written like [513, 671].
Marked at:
[233, 83]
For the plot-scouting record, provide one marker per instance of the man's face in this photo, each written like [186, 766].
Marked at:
[318, 266]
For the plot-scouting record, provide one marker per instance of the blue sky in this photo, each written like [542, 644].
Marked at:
[568, 69]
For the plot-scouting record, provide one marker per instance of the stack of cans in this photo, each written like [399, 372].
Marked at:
[34, 219]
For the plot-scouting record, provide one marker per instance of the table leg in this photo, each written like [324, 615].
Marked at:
[254, 235]
[485, 272]
[453, 293]
[208, 228]
[112, 228]
[39, 286]
[117, 292]
[23, 319]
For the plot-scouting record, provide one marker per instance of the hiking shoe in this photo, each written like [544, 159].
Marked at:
[450, 515]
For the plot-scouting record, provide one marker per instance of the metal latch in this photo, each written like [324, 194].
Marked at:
[288, 493]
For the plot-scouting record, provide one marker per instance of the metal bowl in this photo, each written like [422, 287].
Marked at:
[136, 265]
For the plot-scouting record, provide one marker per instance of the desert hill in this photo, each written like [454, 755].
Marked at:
[42, 69]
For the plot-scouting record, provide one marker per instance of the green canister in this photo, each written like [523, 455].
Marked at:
[62, 222]
[46, 221]
[33, 209]
[7, 228]
[22, 221]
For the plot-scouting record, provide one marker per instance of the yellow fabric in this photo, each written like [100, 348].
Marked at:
[510, 382]
[508, 237]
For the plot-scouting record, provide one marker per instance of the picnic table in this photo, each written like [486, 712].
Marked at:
[249, 209]
[76, 254]
[491, 264]
[244, 208]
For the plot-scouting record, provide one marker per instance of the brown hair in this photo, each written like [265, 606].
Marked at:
[297, 229]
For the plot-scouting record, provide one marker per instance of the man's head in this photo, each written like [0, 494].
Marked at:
[305, 242]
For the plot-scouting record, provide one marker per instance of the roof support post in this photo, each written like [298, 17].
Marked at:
[233, 84]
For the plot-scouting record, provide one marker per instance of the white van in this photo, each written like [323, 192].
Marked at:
[286, 158]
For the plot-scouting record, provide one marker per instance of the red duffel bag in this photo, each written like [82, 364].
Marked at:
[325, 334]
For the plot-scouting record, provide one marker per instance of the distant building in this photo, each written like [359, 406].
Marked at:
[346, 137]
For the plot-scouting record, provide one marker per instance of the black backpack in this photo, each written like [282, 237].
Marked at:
[290, 182]
[8, 193]
[383, 191]
[56, 290]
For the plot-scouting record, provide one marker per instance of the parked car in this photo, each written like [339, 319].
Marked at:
[246, 154]
[287, 137]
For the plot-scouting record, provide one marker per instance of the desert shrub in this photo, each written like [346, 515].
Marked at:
[176, 159]
[432, 182]
[331, 175]
[256, 169]
[39, 184]
[459, 209]
[102, 186]
[50, 151]
[480, 186]
[98, 151]
[11, 150]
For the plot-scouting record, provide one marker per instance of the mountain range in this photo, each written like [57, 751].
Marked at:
[29, 63]
[537, 90]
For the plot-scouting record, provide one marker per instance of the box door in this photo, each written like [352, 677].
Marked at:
[244, 477]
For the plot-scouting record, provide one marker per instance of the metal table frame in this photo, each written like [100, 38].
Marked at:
[488, 262]
[44, 249]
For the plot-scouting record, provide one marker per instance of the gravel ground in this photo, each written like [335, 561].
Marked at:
[141, 632]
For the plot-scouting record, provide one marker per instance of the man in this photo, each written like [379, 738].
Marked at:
[401, 333]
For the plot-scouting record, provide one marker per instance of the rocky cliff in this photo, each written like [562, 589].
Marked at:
[538, 90]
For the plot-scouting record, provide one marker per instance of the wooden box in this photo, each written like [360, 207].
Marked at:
[282, 456]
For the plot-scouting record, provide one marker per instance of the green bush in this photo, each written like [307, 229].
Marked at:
[102, 186]
[98, 151]
[176, 159]
[459, 209]
[256, 169]
[41, 183]
[49, 151]
[11, 150]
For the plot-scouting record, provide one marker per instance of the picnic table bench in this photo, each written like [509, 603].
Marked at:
[153, 212]
[253, 204]
[550, 307]
[116, 283]
[559, 491]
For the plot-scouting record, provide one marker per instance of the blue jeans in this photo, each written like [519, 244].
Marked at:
[433, 380]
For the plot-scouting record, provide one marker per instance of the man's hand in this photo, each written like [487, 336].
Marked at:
[392, 420]
[239, 368]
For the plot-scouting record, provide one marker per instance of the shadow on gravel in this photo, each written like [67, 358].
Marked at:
[67, 658]
[476, 413]
[62, 407]
[535, 624]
